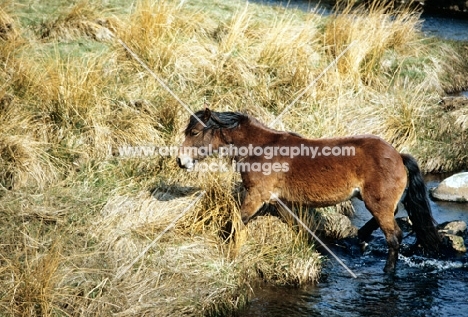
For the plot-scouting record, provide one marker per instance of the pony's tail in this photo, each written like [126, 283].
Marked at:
[417, 206]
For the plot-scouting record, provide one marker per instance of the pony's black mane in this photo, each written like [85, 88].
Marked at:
[218, 120]
[225, 120]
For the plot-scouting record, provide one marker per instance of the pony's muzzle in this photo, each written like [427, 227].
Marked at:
[185, 162]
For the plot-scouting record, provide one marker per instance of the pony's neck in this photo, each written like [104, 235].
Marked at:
[250, 132]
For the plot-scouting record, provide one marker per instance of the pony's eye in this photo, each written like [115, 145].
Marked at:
[194, 132]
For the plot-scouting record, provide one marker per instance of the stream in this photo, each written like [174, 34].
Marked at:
[433, 24]
[420, 287]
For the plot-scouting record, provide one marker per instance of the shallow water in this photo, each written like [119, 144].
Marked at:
[421, 286]
[463, 94]
[445, 27]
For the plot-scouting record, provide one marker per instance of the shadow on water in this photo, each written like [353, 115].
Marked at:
[420, 287]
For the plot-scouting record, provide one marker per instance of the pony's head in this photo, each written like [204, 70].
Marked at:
[206, 132]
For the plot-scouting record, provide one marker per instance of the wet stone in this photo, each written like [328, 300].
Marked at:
[457, 227]
[454, 242]
[454, 188]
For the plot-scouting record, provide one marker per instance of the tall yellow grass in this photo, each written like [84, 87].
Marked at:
[73, 214]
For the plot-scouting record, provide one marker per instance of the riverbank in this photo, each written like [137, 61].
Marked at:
[77, 218]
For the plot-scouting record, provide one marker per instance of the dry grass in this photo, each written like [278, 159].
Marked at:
[374, 33]
[76, 219]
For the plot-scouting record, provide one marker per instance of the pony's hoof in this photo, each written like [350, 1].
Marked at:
[389, 269]
[363, 246]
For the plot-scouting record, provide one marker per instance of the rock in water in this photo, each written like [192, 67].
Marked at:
[452, 233]
[454, 242]
[456, 227]
[454, 188]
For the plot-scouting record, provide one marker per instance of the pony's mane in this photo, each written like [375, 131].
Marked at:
[218, 120]
[227, 120]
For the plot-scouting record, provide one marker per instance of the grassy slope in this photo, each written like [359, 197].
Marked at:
[73, 215]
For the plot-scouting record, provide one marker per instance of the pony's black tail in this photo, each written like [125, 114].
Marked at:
[417, 206]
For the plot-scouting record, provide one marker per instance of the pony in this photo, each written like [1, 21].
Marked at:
[317, 172]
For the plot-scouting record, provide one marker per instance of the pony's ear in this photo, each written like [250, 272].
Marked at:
[206, 115]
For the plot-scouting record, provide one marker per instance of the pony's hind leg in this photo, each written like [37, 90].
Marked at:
[384, 217]
[394, 236]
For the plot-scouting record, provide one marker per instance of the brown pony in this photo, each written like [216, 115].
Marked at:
[318, 172]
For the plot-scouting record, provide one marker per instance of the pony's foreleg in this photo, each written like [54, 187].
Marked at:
[253, 201]
[365, 231]
[368, 228]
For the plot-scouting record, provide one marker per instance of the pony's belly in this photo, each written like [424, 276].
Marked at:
[317, 199]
